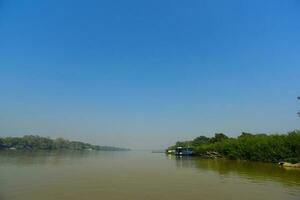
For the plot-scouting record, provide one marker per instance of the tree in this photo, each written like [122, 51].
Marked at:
[182, 144]
[247, 146]
[245, 134]
[34, 142]
[200, 140]
[1, 143]
[219, 137]
[299, 111]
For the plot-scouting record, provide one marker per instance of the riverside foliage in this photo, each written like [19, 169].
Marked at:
[32, 142]
[248, 146]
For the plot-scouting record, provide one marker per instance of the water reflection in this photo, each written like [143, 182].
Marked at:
[253, 171]
[17, 158]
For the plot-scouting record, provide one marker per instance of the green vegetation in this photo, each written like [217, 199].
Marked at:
[32, 142]
[255, 147]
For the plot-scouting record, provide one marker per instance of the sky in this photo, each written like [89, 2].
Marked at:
[145, 74]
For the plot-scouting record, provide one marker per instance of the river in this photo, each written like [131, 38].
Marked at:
[136, 175]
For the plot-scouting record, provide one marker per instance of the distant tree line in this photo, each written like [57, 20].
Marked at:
[33, 142]
[248, 146]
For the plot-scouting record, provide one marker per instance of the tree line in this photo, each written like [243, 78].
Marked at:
[248, 146]
[34, 142]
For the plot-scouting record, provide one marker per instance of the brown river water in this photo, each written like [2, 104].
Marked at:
[140, 175]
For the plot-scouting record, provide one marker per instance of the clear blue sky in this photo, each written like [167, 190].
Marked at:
[144, 74]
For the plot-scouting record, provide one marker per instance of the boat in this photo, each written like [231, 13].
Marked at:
[183, 151]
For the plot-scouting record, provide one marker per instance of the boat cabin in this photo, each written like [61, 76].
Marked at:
[184, 151]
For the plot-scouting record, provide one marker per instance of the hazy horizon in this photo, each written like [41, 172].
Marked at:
[145, 74]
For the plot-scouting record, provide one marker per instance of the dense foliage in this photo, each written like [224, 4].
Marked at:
[32, 142]
[256, 147]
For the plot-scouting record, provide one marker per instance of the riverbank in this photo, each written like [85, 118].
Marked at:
[254, 147]
[216, 155]
[287, 164]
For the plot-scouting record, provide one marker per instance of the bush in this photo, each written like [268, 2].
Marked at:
[255, 147]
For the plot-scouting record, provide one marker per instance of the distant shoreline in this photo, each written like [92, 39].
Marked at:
[38, 143]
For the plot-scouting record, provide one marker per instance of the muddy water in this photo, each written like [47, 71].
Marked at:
[140, 175]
